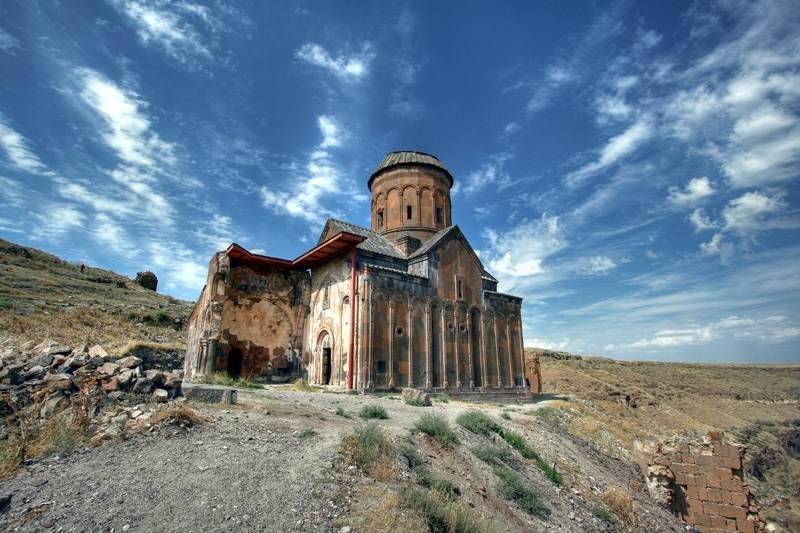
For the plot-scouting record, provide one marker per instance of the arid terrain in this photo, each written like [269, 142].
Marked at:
[300, 458]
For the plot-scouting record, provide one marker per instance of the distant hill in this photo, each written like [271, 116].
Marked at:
[43, 296]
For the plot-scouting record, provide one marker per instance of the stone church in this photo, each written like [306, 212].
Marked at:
[404, 303]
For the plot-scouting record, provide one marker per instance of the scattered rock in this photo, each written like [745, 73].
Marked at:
[143, 386]
[130, 361]
[55, 404]
[36, 372]
[61, 382]
[117, 396]
[108, 369]
[416, 396]
[156, 376]
[161, 395]
[97, 351]
[111, 385]
[10, 376]
[125, 377]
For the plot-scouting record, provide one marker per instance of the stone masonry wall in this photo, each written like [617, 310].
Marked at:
[701, 480]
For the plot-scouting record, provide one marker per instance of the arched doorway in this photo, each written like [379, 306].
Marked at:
[325, 358]
[234, 367]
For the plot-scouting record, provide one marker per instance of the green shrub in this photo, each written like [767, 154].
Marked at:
[416, 402]
[6, 304]
[341, 412]
[224, 379]
[505, 415]
[366, 445]
[437, 427]
[429, 480]
[515, 488]
[604, 514]
[409, 452]
[493, 454]
[441, 513]
[373, 411]
[444, 398]
[308, 433]
[519, 443]
[477, 422]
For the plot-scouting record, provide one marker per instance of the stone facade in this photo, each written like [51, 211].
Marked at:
[406, 303]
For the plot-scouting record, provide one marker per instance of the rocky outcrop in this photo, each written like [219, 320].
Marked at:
[147, 279]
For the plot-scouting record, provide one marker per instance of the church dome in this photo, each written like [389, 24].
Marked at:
[409, 158]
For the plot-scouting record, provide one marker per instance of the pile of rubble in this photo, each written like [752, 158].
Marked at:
[59, 373]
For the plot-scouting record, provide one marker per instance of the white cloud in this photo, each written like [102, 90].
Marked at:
[696, 190]
[491, 174]
[717, 246]
[349, 68]
[320, 178]
[700, 221]
[216, 234]
[520, 252]
[597, 265]
[18, 151]
[178, 266]
[57, 219]
[8, 43]
[754, 212]
[107, 232]
[175, 27]
[615, 149]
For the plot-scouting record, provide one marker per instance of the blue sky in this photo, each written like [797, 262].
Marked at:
[630, 169]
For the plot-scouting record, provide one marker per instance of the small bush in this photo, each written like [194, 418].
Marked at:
[603, 514]
[441, 513]
[6, 304]
[366, 446]
[515, 488]
[493, 455]
[621, 504]
[341, 412]
[302, 385]
[308, 433]
[224, 379]
[443, 398]
[477, 422]
[519, 443]
[505, 415]
[373, 411]
[409, 452]
[416, 402]
[429, 480]
[437, 427]
[179, 414]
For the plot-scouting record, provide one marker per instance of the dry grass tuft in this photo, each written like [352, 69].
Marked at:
[179, 414]
[134, 345]
[302, 385]
[620, 503]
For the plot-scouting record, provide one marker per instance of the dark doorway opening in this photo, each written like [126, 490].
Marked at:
[326, 366]
[235, 363]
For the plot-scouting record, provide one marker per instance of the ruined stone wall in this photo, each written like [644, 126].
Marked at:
[533, 372]
[249, 321]
[701, 480]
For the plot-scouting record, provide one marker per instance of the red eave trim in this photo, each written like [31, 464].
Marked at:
[339, 243]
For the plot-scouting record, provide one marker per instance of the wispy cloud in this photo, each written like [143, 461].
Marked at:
[353, 67]
[407, 63]
[615, 149]
[185, 31]
[490, 174]
[318, 179]
[18, 151]
[8, 43]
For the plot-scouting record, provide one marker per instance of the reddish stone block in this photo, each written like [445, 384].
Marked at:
[714, 495]
[718, 522]
[731, 525]
[691, 492]
[745, 526]
[711, 509]
[731, 511]
[738, 498]
[702, 493]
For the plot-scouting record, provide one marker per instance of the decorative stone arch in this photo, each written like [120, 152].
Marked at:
[380, 339]
[410, 205]
[323, 353]
[426, 206]
[379, 212]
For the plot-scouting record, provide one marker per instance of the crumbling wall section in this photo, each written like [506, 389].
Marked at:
[701, 479]
[248, 321]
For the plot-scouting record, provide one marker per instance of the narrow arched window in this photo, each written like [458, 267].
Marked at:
[380, 218]
[408, 212]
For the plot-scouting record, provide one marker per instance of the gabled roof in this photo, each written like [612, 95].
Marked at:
[324, 251]
[373, 242]
[438, 237]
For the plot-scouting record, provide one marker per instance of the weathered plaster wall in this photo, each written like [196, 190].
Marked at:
[252, 314]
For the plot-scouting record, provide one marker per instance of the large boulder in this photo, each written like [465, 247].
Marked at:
[97, 351]
[60, 382]
[108, 369]
[147, 279]
[130, 361]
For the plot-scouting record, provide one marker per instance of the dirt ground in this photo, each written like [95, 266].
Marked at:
[266, 464]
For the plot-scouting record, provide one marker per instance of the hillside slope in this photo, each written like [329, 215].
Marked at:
[618, 402]
[43, 296]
